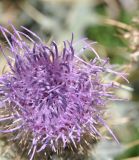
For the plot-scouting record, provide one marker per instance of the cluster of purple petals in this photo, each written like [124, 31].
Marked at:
[51, 93]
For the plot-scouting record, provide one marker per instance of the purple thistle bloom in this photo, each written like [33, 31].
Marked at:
[52, 97]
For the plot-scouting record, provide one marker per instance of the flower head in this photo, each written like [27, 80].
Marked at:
[52, 97]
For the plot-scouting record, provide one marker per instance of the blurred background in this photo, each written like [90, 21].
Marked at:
[114, 24]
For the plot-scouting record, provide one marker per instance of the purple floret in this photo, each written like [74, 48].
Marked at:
[51, 94]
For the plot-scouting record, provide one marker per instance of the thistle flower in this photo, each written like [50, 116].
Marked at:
[51, 97]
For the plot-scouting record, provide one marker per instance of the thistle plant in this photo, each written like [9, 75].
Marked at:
[50, 97]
